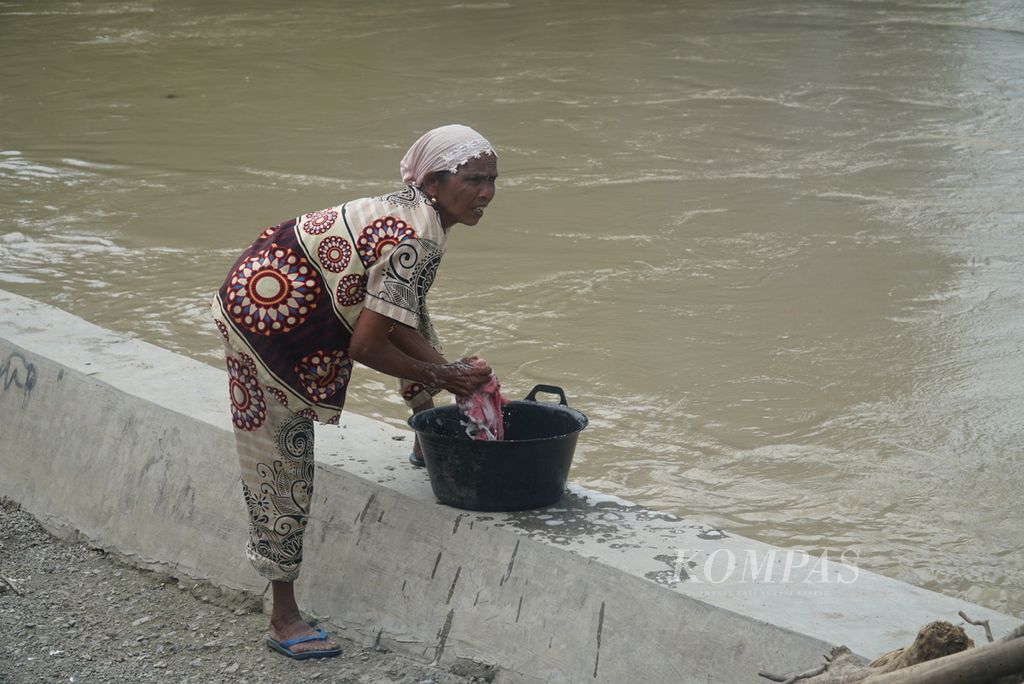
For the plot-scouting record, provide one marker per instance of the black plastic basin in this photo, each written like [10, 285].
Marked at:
[527, 469]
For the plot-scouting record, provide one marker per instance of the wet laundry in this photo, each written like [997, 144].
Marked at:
[481, 411]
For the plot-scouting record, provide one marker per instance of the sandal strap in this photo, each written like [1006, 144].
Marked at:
[319, 635]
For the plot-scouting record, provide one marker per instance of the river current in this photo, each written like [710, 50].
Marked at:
[771, 249]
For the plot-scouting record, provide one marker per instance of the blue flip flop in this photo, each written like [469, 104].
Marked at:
[285, 647]
[416, 460]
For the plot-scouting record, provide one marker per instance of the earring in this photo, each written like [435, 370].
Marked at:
[433, 201]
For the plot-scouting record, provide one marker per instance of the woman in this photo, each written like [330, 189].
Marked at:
[304, 301]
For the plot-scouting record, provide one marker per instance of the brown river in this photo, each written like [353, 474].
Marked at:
[772, 249]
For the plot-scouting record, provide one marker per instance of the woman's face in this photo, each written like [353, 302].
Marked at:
[462, 196]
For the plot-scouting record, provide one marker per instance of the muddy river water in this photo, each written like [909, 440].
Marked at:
[772, 249]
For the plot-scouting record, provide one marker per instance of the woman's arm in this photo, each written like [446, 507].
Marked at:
[396, 349]
[413, 343]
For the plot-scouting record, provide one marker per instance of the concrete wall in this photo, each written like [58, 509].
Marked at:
[131, 446]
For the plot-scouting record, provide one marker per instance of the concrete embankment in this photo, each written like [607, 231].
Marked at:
[130, 445]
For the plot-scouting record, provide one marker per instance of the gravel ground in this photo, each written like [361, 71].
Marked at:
[70, 613]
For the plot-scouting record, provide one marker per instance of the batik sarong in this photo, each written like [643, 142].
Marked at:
[286, 312]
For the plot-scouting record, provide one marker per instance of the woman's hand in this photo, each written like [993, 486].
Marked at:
[463, 377]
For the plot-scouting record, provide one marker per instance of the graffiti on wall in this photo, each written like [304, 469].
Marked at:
[17, 372]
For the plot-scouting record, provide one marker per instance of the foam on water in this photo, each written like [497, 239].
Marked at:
[594, 498]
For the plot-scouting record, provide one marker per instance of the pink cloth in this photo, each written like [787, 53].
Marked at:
[442, 149]
[481, 410]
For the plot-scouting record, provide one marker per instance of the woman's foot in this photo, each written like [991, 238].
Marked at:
[299, 640]
[286, 624]
[416, 457]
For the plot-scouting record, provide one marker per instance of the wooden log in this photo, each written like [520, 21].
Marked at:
[974, 666]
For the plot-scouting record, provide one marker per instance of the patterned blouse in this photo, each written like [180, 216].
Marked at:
[291, 301]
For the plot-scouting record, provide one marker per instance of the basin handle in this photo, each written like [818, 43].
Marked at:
[550, 389]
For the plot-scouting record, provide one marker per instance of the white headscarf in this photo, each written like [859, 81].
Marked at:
[443, 149]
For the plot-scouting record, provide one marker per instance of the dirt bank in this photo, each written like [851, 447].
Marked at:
[69, 613]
